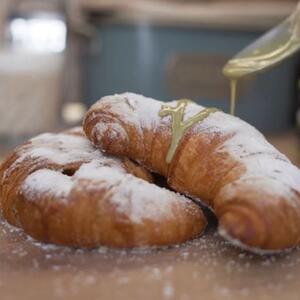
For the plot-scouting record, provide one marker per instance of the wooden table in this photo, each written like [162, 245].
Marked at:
[206, 268]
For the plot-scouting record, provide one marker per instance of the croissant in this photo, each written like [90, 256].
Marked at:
[62, 190]
[211, 156]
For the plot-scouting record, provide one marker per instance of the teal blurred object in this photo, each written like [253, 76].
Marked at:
[173, 62]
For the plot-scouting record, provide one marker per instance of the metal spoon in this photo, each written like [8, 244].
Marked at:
[269, 50]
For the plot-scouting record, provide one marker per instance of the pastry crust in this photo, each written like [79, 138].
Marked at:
[226, 163]
[62, 190]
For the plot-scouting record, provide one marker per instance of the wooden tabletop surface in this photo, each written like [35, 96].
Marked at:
[206, 268]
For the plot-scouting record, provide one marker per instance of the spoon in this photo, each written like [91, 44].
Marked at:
[269, 50]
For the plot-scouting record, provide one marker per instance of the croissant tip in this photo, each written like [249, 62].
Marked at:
[242, 226]
[255, 250]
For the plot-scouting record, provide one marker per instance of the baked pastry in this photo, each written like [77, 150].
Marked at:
[62, 190]
[211, 156]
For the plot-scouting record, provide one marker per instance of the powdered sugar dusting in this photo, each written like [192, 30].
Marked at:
[156, 203]
[102, 172]
[148, 116]
[47, 182]
[111, 130]
[133, 197]
[134, 108]
[266, 167]
[60, 149]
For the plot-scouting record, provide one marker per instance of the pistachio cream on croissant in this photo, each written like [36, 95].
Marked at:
[220, 160]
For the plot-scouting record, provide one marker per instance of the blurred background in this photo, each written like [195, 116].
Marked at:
[57, 57]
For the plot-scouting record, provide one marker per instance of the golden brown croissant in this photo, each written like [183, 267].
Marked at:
[219, 159]
[60, 189]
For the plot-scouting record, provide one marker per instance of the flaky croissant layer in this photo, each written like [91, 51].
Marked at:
[222, 161]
